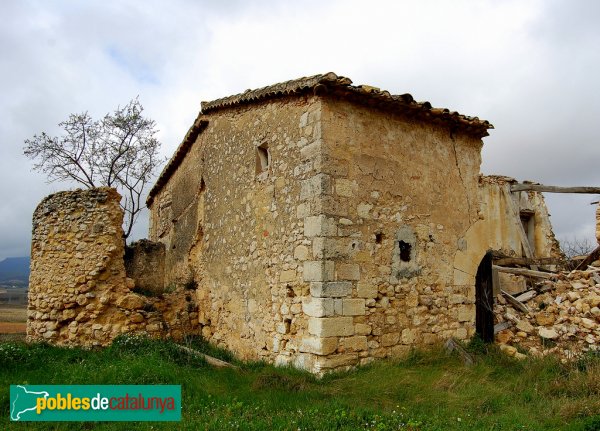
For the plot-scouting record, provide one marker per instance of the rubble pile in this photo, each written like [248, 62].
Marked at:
[560, 316]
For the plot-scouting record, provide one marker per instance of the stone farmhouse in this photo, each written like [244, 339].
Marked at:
[323, 224]
[312, 223]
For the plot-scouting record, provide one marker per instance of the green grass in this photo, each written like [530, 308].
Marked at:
[426, 391]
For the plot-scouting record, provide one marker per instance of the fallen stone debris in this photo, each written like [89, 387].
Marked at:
[559, 316]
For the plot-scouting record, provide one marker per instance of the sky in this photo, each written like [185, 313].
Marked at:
[532, 68]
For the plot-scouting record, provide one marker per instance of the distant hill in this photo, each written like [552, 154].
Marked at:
[15, 268]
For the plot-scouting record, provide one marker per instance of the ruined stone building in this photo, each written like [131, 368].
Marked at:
[312, 223]
[323, 224]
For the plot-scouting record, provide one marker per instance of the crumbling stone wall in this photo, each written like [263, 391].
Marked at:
[496, 228]
[79, 293]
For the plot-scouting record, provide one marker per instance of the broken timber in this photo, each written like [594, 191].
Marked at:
[515, 302]
[502, 326]
[209, 359]
[523, 187]
[453, 345]
[594, 255]
[523, 271]
[507, 261]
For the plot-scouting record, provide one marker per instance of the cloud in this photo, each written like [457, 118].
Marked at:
[530, 68]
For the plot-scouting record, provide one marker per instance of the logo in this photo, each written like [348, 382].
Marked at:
[95, 403]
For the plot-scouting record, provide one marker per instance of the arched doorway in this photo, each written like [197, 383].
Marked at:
[484, 299]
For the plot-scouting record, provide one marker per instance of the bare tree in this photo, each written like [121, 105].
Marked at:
[119, 151]
[573, 247]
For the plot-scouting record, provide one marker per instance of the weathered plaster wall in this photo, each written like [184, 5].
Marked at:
[496, 228]
[388, 179]
[79, 293]
[238, 234]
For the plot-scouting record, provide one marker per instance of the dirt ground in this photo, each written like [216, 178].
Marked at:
[12, 328]
[13, 313]
[12, 321]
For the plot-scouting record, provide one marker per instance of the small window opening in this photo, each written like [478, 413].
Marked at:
[528, 222]
[263, 158]
[287, 323]
[378, 238]
[202, 185]
[405, 249]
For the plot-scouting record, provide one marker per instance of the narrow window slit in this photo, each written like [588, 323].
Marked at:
[263, 158]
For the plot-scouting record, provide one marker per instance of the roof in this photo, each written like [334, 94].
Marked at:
[342, 86]
[329, 83]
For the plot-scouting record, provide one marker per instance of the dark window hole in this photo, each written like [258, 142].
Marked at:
[378, 238]
[405, 249]
[288, 324]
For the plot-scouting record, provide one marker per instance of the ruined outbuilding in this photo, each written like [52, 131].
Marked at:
[315, 223]
[327, 224]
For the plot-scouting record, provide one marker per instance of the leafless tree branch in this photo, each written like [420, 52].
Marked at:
[120, 151]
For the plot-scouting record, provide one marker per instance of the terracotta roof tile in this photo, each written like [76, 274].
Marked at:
[343, 87]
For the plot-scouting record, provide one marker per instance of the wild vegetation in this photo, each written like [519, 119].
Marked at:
[426, 391]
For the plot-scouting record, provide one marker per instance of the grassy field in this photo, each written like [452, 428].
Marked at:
[427, 391]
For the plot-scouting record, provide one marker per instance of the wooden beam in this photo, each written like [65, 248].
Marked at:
[521, 187]
[495, 281]
[453, 345]
[209, 359]
[502, 326]
[525, 261]
[524, 272]
[515, 303]
[594, 255]
[526, 296]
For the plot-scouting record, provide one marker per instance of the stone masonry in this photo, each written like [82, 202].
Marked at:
[321, 222]
[79, 293]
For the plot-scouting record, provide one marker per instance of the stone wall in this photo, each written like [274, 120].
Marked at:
[236, 228]
[324, 233]
[79, 293]
[304, 264]
[387, 208]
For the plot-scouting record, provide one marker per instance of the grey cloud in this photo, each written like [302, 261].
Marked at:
[529, 67]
